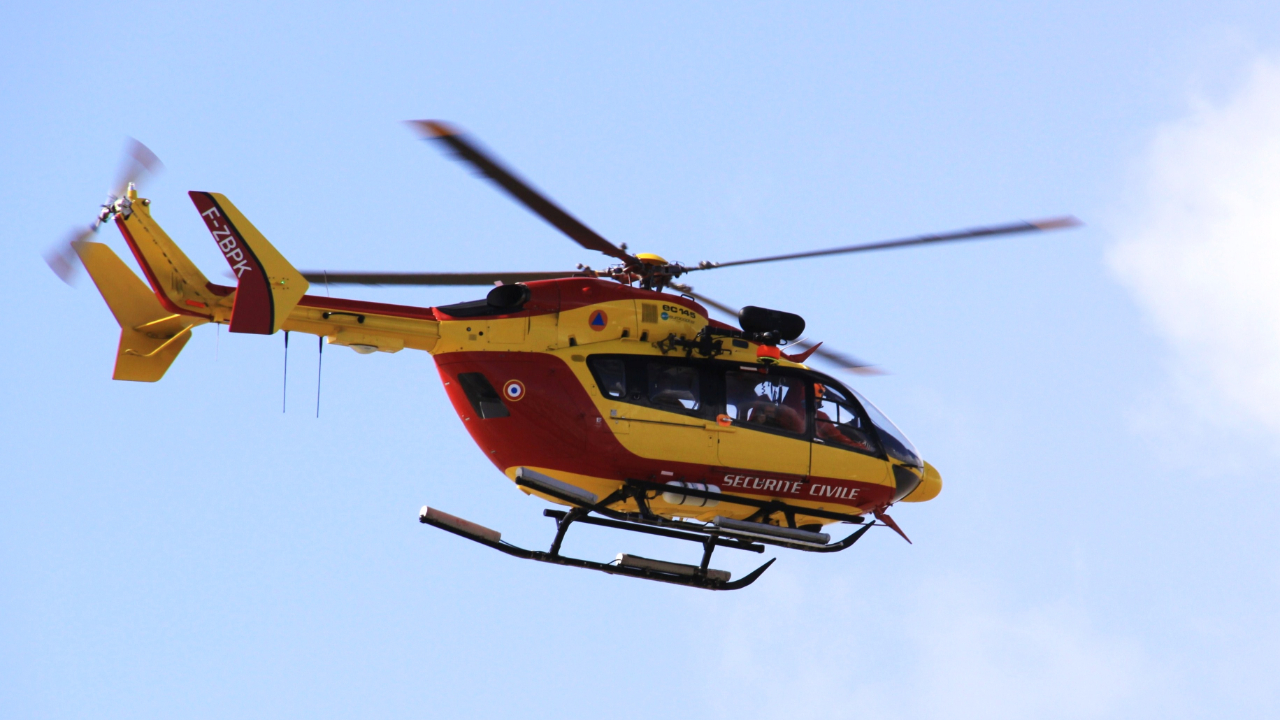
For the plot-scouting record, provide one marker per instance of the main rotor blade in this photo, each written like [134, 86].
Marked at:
[469, 152]
[377, 278]
[845, 362]
[839, 359]
[970, 234]
[730, 311]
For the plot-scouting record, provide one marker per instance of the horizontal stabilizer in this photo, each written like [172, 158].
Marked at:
[268, 287]
[150, 336]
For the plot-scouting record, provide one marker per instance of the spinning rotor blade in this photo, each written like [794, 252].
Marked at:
[840, 360]
[845, 362]
[374, 278]
[63, 259]
[970, 234]
[687, 290]
[139, 162]
[469, 152]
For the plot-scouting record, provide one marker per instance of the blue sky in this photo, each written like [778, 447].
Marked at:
[1100, 403]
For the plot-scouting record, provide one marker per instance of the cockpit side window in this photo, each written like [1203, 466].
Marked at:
[839, 422]
[769, 402]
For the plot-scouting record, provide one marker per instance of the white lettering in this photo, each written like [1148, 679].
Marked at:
[212, 210]
[241, 268]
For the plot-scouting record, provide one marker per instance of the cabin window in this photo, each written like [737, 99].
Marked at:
[484, 399]
[767, 402]
[611, 377]
[668, 384]
[674, 387]
[839, 422]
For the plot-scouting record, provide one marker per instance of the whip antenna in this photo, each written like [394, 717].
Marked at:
[319, 369]
[284, 395]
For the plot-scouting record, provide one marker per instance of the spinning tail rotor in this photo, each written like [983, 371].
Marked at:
[138, 164]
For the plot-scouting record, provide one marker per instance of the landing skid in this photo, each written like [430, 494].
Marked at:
[588, 509]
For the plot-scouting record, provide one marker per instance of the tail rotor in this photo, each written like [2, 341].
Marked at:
[138, 164]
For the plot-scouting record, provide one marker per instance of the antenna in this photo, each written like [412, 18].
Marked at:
[319, 368]
[284, 395]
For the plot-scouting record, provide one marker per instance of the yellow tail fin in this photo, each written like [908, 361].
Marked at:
[268, 288]
[150, 336]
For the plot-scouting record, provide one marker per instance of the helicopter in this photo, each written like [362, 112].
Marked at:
[609, 392]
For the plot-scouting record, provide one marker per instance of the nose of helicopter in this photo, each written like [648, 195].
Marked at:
[927, 487]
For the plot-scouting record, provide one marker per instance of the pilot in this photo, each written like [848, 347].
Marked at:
[759, 408]
[791, 411]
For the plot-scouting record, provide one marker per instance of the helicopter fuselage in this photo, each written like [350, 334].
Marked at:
[572, 385]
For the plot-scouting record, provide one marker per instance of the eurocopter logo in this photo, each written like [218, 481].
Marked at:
[226, 242]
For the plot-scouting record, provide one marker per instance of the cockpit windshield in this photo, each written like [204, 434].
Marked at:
[895, 442]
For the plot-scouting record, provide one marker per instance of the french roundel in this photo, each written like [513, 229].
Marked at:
[513, 390]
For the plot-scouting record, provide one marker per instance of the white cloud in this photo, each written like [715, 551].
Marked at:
[1201, 248]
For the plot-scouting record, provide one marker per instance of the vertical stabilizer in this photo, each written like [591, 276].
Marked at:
[268, 287]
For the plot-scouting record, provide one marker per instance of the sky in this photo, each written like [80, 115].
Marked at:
[1101, 402]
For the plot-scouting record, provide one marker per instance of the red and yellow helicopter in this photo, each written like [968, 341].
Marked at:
[598, 390]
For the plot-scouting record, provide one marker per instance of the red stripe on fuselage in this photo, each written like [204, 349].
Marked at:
[371, 308]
